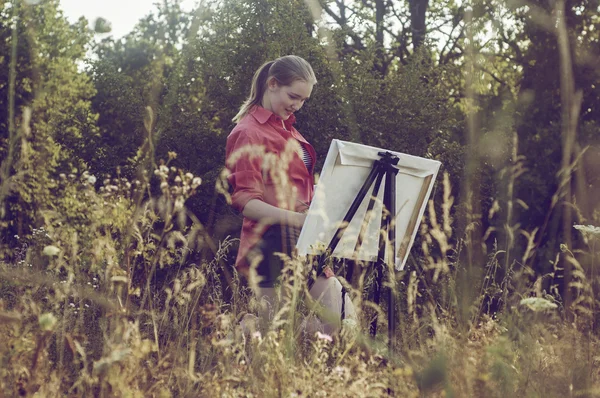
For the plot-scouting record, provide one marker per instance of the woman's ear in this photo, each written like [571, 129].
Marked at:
[272, 83]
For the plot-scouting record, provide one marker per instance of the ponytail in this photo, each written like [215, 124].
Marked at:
[257, 90]
[285, 70]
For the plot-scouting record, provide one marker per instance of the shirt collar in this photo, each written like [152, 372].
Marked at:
[262, 115]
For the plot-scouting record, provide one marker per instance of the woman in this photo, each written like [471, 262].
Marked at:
[271, 171]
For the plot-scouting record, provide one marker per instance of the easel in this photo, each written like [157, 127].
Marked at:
[385, 166]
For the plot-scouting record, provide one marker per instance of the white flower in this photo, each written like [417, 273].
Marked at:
[51, 251]
[164, 169]
[92, 179]
[324, 336]
[588, 230]
[177, 179]
[164, 185]
[189, 176]
[338, 370]
[196, 182]
[538, 304]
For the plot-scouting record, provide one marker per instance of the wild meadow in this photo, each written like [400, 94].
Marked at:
[118, 243]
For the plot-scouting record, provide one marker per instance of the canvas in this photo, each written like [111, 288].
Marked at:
[345, 170]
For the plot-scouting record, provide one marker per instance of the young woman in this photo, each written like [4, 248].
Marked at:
[271, 171]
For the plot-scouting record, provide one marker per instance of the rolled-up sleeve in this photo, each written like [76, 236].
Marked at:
[244, 161]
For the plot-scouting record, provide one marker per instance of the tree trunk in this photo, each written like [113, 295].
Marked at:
[418, 10]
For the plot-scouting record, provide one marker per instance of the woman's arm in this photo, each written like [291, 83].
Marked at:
[260, 211]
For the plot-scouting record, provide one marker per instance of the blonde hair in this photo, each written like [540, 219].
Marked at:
[286, 70]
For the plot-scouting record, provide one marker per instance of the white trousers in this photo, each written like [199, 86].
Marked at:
[327, 292]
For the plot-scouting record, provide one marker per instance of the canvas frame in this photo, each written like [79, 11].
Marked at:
[346, 168]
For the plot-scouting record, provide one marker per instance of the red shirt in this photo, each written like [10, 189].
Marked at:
[265, 163]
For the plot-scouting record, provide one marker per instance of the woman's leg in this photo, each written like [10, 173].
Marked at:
[328, 293]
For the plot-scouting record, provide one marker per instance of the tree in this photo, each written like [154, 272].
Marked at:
[47, 81]
[130, 74]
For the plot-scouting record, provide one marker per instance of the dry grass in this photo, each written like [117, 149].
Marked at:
[117, 303]
[92, 318]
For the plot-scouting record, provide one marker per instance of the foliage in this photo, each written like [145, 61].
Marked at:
[116, 273]
[59, 122]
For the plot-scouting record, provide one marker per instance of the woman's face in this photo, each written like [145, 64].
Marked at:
[283, 101]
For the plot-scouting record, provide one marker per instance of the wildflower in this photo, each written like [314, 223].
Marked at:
[189, 176]
[172, 155]
[338, 370]
[173, 169]
[91, 179]
[178, 179]
[324, 336]
[164, 185]
[196, 182]
[62, 176]
[164, 169]
[538, 304]
[47, 321]
[51, 251]
[588, 230]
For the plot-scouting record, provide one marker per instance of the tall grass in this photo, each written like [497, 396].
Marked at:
[76, 320]
[122, 303]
